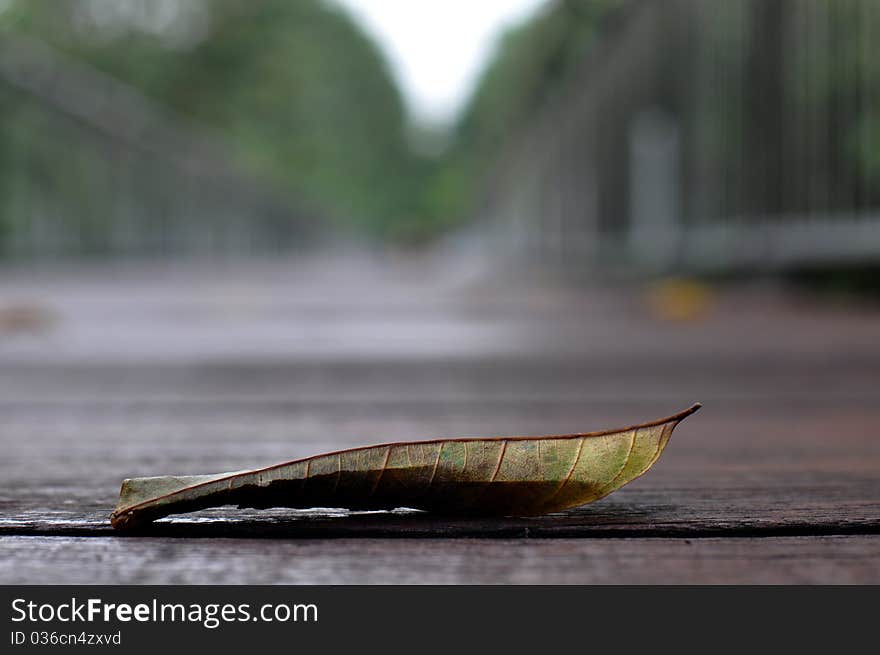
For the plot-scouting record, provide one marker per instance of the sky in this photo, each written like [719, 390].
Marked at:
[437, 48]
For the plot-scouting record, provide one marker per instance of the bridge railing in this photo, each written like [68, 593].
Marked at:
[707, 135]
[89, 165]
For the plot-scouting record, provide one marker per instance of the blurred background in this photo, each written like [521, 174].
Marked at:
[709, 137]
[237, 232]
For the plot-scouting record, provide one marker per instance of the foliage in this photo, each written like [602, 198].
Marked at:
[534, 62]
[303, 98]
[296, 90]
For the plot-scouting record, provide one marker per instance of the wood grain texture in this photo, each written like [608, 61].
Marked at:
[726, 474]
[195, 370]
[89, 560]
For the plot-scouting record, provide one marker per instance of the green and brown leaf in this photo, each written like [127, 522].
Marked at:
[492, 476]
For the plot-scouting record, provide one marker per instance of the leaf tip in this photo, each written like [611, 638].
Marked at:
[693, 409]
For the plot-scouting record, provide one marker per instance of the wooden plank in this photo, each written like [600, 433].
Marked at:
[83, 560]
[353, 309]
[200, 371]
[724, 473]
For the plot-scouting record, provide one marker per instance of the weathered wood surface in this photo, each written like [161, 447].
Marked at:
[151, 371]
[773, 560]
[722, 476]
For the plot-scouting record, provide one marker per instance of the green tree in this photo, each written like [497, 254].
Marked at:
[532, 63]
[296, 90]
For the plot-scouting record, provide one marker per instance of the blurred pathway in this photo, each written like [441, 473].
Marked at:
[106, 374]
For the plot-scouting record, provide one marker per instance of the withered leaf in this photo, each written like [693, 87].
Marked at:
[491, 475]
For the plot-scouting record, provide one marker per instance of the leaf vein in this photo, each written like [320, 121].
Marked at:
[307, 473]
[436, 463]
[338, 472]
[568, 475]
[500, 459]
[632, 445]
[381, 472]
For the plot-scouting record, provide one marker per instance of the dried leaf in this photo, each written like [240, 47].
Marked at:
[497, 475]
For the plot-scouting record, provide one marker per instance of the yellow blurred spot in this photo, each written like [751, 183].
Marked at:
[26, 318]
[679, 299]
